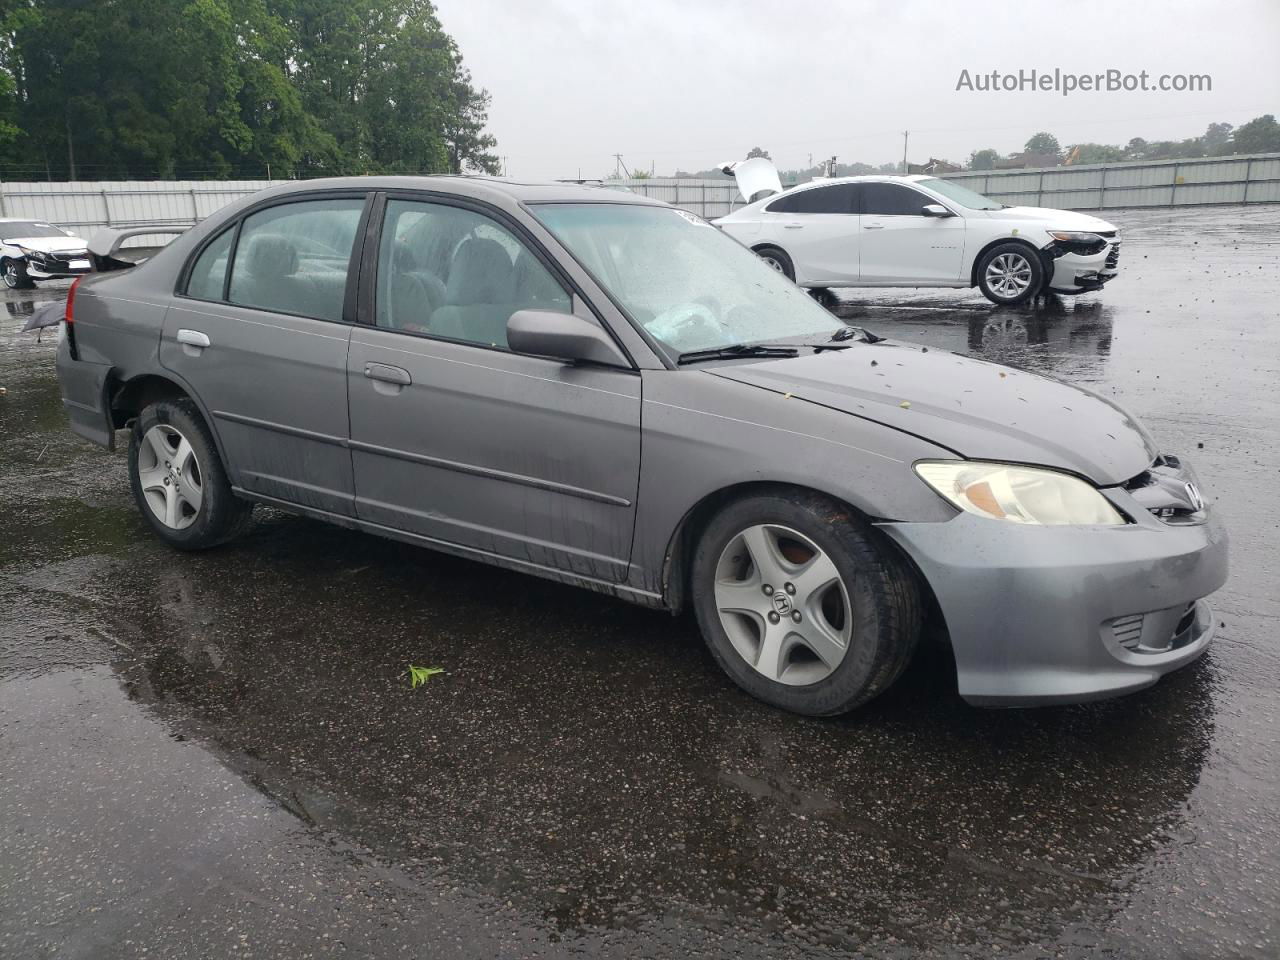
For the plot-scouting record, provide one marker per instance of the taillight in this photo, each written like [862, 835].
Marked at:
[69, 316]
[70, 319]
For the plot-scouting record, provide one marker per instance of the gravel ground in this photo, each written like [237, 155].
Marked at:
[218, 755]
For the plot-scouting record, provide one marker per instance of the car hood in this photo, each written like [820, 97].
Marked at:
[1052, 219]
[980, 410]
[47, 244]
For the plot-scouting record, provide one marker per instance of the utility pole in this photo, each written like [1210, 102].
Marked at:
[617, 157]
[505, 170]
[905, 135]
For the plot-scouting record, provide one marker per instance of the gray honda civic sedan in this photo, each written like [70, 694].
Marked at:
[600, 389]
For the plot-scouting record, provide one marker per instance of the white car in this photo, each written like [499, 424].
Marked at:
[917, 231]
[32, 250]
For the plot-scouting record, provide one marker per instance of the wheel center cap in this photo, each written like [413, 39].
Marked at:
[782, 603]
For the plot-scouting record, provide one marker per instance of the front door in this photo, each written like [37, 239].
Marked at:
[264, 347]
[901, 246]
[459, 440]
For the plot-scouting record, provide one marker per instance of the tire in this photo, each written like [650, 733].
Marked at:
[15, 274]
[778, 260]
[178, 479]
[1010, 273]
[874, 586]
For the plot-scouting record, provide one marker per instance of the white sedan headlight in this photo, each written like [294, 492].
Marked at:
[1018, 494]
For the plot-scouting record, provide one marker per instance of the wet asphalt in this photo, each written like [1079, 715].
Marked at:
[219, 755]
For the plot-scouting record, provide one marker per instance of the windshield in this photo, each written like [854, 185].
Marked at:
[23, 229]
[961, 195]
[690, 286]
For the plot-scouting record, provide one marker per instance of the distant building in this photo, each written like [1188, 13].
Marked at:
[934, 167]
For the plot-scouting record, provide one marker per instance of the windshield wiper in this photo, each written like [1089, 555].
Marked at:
[848, 333]
[737, 350]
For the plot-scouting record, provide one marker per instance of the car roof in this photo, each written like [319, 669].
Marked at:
[480, 187]
[868, 178]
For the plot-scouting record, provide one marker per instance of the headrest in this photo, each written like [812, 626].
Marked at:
[272, 255]
[481, 273]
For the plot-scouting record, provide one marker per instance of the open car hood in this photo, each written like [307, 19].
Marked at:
[757, 178]
[981, 410]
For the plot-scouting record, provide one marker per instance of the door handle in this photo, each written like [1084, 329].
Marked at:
[193, 342]
[793, 226]
[385, 373]
[873, 226]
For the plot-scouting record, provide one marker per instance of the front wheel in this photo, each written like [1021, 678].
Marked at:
[803, 604]
[15, 274]
[178, 480]
[1009, 274]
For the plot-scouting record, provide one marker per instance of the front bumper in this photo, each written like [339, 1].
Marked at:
[1081, 273]
[1042, 615]
[53, 267]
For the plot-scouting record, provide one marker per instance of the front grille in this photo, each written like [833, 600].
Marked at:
[1128, 630]
[59, 262]
[1163, 491]
[1114, 256]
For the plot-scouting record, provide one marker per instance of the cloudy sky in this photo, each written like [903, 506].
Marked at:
[673, 84]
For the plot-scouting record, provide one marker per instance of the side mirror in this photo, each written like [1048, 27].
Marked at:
[562, 336]
[936, 210]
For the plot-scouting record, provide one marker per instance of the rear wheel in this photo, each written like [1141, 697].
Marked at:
[178, 479]
[778, 260]
[15, 274]
[1010, 274]
[802, 604]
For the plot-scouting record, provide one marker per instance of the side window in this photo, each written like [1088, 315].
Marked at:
[455, 273]
[837, 198]
[210, 269]
[892, 200]
[293, 258]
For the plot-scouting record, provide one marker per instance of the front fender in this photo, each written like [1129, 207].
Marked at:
[704, 434]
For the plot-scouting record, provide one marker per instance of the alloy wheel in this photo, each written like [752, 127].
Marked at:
[783, 604]
[773, 262]
[1009, 275]
[11, 274]
[170, 476]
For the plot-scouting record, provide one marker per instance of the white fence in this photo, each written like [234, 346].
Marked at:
[1156, 183]
[84, 206]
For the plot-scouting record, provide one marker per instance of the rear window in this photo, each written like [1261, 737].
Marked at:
[293, 258]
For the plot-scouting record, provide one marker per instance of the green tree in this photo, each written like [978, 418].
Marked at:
[1217, 136]
[1259, 135]
[1095, 153]
[758, 152]
[1043, 143]
[984, 159]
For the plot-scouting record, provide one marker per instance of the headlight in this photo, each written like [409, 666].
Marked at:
[30, 254]
[1074, 236]
[1018, 494]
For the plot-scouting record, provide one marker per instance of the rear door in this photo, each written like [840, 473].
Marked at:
[818, 229]
[898, 244]
[459, 440]
[259, 332]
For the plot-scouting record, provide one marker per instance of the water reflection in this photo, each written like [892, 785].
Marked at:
[608, 776]
[1066, 337]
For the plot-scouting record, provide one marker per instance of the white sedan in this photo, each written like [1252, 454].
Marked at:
[32, 250]
[917, 231]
